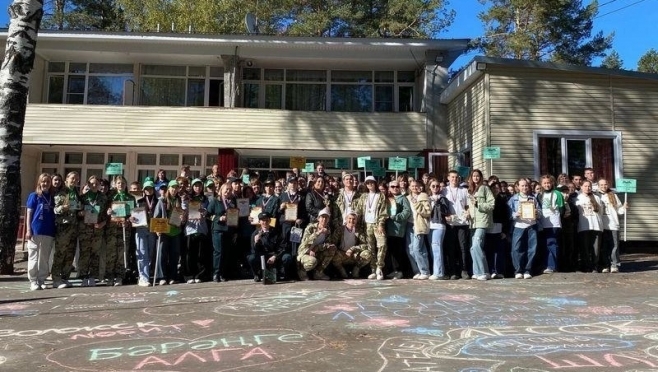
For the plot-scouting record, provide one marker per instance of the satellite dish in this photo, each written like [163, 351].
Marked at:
[252, 23]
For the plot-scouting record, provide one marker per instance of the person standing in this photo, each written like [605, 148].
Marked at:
[292, 196]
[590, 227]
[67, 206]
[374, 207]
[145, 240]
[440, 209]
[222, 233]
[170, 243]
[117, 234]
[417, 230]
[481, 204]
[346, 201]
[94, 202]
[552, 209]
[40, 231]
[612, 209]
[495, 242]
[458, 258]
[399, 212]
[196, 231]
[524, 235]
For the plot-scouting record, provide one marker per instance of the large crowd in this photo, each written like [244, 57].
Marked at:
[321, 227]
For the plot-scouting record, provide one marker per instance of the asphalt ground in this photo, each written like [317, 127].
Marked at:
[560, 321]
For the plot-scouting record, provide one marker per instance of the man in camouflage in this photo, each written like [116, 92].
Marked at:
[375, 212]
[316, 251]
[67, 207]
[91, 232]
[352, 248]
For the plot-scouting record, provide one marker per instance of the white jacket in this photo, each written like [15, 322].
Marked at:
[587, 218]
[610, 212]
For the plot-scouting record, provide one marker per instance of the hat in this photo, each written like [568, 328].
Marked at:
[393, 183]
[268, 182]
[292, 179]
[173, 183]
[210, 183]
[351, 211]
[263, 216]
[370, 178]
[148, 179]
[233, 179]
[195, 181]
[148, 183]
[324, 212]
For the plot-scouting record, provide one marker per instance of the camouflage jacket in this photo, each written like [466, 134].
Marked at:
[67, 197]
[310, 235]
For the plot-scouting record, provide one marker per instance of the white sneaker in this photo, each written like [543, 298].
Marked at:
[416, 276]
[35, 287]
[190, 281]
[372, 276]
[527, 276]
[423, 277]
[66, 284]
[482, 277]
[118, 282]
[197, 280]
[163, 282]
[391, 275]
[380, 274]
[144, 283]
[434, 277]
[606, 270]
[614, 269]
[518, 276]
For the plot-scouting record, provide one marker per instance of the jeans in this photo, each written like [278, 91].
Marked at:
[170, 254]
[458, 258]
[524, 246]
[589, 249]
[145, 241]
[436, 239]
[218, 253]
[409, 237]
[480, 266]
[552, 235]
[494, 250]
[417, 251]
[610, 244]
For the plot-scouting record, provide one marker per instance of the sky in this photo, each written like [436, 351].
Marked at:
[634, 22]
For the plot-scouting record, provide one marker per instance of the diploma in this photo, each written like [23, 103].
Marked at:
[243, 206]
[91, 214]
[139, 217]
[194, 210]
[159, 225]
[119, 209]
[253, 215]
[528, 210]
[176, 218]
[73, 204]
[232, 216]
[291, 212]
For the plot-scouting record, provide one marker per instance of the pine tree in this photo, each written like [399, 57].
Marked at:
[648, 62]
[613, 61]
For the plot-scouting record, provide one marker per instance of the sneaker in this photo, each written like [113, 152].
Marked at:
[380, 274]
[527, 276]
[303, 276]
[163, 282]
[372, 276]
[423, 277]
[416, 276]
[190, 281]
[434, 277]
[66, 283]
[43, 286]
[606, 270]
[548, 271]
[355, 272]
[173, 281]
[391, 275]
[144, 283]
[496, 276]
[398, 275]
[107, 282]
[518, 276]
[482, 277]
[91, 281]
[614, 269]
[84, 283]
[197, 281]
[454, 277]
[256, 278]
[465, 275]
[319, 275]
[118, 282]
[35, 287]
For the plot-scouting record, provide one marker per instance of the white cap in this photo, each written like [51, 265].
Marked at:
[324, 212]
[370, 178]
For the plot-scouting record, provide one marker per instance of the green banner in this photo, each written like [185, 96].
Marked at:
[397, 164]
[342, 163]
[626, 185]
[113, 169]
[416, 162]
[361, 162]
[491, 153]
[309, 168]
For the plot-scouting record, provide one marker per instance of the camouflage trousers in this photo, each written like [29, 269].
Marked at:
[115, 267]
[320, 262]
[91, 240]
[377, 248]
[359, 258]
[66, 242]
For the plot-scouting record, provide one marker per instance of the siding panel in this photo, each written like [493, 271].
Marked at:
[466, 123]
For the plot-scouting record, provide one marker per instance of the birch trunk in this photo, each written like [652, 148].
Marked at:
[25, 18]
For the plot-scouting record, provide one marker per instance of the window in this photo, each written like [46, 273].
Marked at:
[50, 157]
[572, 151]
[163, 85]
[95, 158]
[146, 159]
[82, 83]
[116, 158]
[192, 160]
[169, 159]
[73, 158]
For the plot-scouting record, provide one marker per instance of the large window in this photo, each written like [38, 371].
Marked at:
[88, 83]
[334, 90]
[572, 151]
[163, 85]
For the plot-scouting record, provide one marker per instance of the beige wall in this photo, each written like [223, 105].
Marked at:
[466, 123]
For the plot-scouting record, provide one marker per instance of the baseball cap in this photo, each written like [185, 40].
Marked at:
[263, 216]
[172, 183]
[148, 183]
[370, 178]
[196, 180]
[324, 212]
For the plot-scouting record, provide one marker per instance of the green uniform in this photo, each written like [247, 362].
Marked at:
[361, 255]
[318, 243]
[91, 238]
[114, 240]
[66, 236]
[374, 212]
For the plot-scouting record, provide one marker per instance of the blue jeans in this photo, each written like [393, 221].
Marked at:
[524, 246]
[417, 251]
[218, 253]
[436, 239]
[145, 242]
[610, 245]
[480, 266]
[552, 235]
[169, 255]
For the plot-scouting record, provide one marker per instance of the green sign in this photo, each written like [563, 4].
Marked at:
[491, 153]
[372, 164]
[379, 172]
[113, 169]
[416, 162]
[342, 163]
[246, 179]
[397, 164]
[361, 162]
[309, 168]
[626, 185]
[463, 172]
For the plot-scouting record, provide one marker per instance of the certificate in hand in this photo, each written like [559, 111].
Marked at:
[232, 216]
[119, 209]
[243, 206]
[176, 218]
[139, 217]
[91, 214]
[528, 210]
[291, 212]
[253, 215]
[194, 211]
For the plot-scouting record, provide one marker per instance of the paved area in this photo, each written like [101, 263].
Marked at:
[562, 321]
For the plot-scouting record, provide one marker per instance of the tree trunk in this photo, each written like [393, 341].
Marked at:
[14, 83]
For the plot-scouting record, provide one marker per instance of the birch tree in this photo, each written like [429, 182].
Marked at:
[25, 18]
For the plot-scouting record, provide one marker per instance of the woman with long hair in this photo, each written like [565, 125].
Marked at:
[481, 204]
[612, 209]
[40, 231]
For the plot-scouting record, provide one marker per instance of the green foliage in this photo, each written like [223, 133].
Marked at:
[83, 15]
[549, 30]
[612, 61]
[648, 62]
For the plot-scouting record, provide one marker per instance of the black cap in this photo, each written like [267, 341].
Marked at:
[233, 179]
[292, 179]
[268, 182]
[263, 216]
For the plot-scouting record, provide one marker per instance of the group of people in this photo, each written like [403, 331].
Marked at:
[319, 227]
